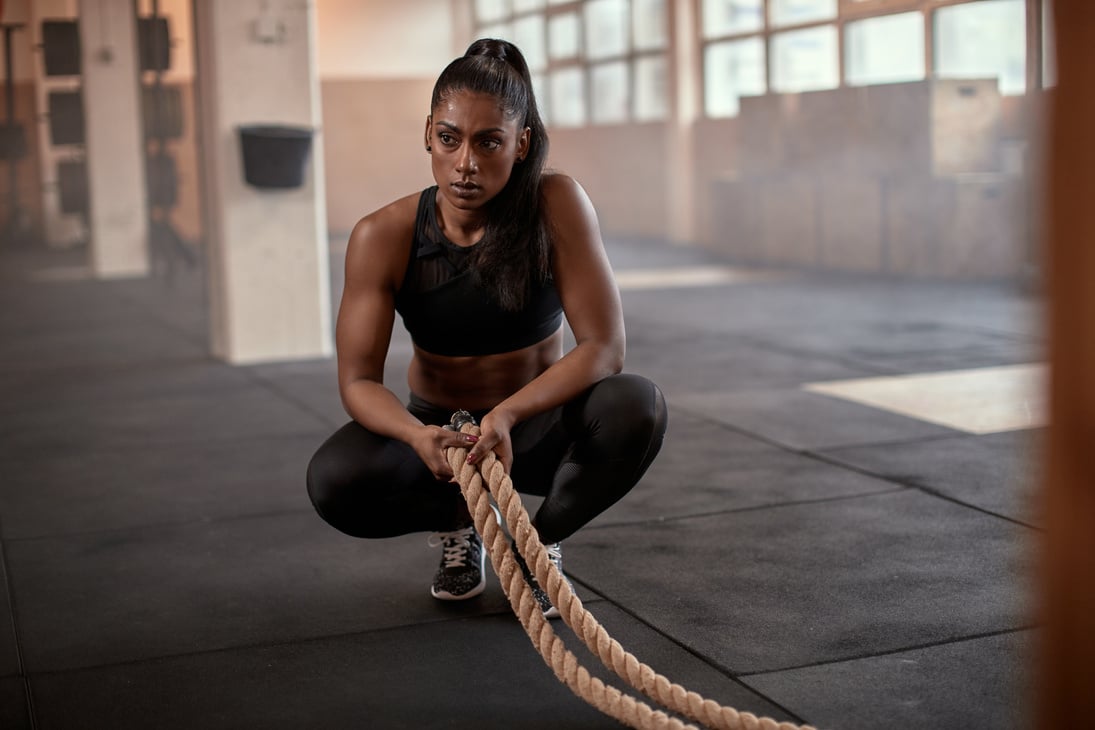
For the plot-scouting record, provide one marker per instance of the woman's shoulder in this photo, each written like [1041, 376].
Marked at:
[381, 241]
[395, 218]
[560, 186]
[565, 200]
[389, 229]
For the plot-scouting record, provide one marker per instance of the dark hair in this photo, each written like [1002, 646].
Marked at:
[514, 252]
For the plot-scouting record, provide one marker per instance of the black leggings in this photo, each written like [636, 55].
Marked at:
[581, 457]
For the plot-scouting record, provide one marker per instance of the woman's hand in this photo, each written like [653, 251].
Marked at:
[494, 436]
[430, 443]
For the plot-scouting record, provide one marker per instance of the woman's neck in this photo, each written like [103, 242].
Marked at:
[462, 227]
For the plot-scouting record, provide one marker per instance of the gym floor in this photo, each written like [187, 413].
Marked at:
[839, 529]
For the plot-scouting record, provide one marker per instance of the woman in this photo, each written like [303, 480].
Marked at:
[482, 267]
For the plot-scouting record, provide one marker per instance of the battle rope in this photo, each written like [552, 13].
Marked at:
[609, 700]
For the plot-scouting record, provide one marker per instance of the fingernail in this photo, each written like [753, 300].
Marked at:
[469, 437]
[471, 458]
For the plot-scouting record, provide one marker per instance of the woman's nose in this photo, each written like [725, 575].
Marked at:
[466, 162]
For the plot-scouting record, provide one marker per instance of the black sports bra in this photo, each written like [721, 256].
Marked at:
[447, 311]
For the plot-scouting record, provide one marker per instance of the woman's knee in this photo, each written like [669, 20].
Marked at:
[626, 407]
[327, 481]
[339, 478]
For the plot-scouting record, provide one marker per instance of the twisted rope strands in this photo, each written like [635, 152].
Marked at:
[563, 663]
[609, 651]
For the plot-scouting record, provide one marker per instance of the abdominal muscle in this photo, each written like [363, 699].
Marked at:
[480, 382]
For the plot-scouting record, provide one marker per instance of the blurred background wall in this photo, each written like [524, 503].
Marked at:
[887, 136]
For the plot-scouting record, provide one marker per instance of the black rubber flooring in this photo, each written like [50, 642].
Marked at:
[789, 553]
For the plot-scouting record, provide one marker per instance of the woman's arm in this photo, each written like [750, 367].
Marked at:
[591, 302]
[375, 265]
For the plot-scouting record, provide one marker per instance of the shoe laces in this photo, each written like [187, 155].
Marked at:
[454, 545]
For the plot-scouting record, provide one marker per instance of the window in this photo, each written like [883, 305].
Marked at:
[498, 30]
[606, 28]
[727, 17]
[528, 35]
[592, 61]
[789, 46]
[609, 92]
[564, 36]
[805, 60]
[648, 23]
[568, 97]
[651, 89]
[731, 70]
[488, 11]
[794, 12]
[886, 49]
[539, 88]
[985, 39]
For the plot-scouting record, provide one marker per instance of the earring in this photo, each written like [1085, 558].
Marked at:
[429, 148]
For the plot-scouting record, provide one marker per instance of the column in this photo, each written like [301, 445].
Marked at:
[118, 216]
[267, 248]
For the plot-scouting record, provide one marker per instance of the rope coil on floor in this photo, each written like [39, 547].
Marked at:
[629, 710]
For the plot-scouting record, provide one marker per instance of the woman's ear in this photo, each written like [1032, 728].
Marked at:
[429, 131]
[523, 143]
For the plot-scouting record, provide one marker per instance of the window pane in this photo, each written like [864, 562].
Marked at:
[983, 40]
[568, 100]
[885, 50]
[540, 91]
[790, 12]
[649, 23]
[564, 35]
[528, 35]
[520, 6]
[651, 89]
[732, 70]
[497, 30]
[608, 83]
[489, 10]
[805, 60]
[724, 17]
[606, 28]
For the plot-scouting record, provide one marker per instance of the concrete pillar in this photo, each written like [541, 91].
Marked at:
[118, 219]
[268, 257]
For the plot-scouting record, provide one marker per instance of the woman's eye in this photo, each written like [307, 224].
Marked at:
[446, 138]
[491, 144]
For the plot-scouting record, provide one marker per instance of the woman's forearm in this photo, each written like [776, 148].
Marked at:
[379, 410]
[581, 367]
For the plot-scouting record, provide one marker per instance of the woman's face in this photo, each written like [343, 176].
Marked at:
[473, 148]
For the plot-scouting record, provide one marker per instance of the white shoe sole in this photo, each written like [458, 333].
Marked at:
[446, 596]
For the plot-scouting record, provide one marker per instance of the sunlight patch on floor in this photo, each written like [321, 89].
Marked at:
[692, 276]
[979, 401]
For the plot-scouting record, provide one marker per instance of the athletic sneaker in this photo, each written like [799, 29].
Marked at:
[461, 573]
[555, 555]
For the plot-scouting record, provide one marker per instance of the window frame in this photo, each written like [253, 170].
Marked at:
[849, 11]
[631, 55]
